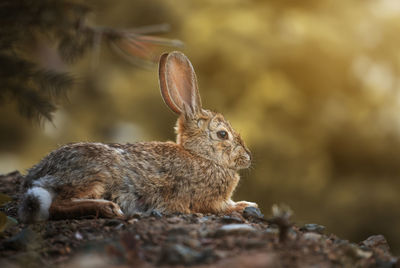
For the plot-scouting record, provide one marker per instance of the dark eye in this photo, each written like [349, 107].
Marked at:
[222, 134]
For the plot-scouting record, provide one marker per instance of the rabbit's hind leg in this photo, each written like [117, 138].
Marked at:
[75, 208]
[74, 201]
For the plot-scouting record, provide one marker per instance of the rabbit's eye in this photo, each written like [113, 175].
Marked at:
[222, 134]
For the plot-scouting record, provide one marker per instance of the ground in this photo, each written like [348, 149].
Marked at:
[152, 239]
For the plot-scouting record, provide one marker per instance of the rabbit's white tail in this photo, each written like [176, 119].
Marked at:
[35, 205]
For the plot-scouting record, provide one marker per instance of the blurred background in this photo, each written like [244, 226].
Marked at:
[313, 87]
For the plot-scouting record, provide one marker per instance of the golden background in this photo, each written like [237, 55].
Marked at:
[313, 87]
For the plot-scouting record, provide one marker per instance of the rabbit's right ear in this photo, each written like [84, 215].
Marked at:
[178, 83]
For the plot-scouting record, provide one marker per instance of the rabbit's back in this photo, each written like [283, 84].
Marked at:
[74, 162]
[112, 165]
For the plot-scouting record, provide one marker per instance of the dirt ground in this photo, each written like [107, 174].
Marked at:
[152, 239]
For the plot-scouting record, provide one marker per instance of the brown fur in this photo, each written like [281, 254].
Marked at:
[64, 209]
[198, 173]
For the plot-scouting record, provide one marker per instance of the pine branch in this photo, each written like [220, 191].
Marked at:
[32, 104]
[64, 22]
[52, 83]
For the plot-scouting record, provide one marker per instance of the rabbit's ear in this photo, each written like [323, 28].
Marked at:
[178, 83]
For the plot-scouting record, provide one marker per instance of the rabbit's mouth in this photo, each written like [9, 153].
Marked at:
[244, 161]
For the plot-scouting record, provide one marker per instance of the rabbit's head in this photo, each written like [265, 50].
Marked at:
[202, 132]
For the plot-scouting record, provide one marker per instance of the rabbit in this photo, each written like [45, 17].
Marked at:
[197, 174]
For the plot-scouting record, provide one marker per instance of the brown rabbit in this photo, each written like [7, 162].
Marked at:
[198, 173]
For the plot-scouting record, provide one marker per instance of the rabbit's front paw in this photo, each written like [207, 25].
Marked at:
[241, 205]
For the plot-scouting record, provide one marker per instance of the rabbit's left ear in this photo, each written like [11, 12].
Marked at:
[178, 83]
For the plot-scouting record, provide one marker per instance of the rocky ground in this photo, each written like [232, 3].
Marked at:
[153, 239]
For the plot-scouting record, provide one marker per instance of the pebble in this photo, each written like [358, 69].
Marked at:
[204, 219]
[252, 212]
[376, 241]
[312, 236]
[112, 222]
[353, 251]
[312, 227]
[231, 219]
[156, 214]
[178, 231]
[272, 230]
[191, 243]
[235, 229]
[180, 254]
[120, 226]
[340, 242]
[363, 253]
[203, 231]
[78, 236]
[174, 219]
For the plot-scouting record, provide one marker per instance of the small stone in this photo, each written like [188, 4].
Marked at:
[340, 242]
[178, 214]
[235, 229]
[231, 219]
[156, 214]
[221, 254]
[203, 231]
[252, 212]
[178, 231]
[179, 254]
[174, 219]
[363, 253]
[118, 227]
[78, 236]
[352, 251]
[312, 227]
[112, 222]
[376, 241]
[312, 236]
[272, 230]
[192, 243]
[204, 219]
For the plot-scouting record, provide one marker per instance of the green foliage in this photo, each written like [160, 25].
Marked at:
[32, 27]
[22, 77]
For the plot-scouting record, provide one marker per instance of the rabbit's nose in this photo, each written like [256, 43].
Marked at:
[248, 156]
